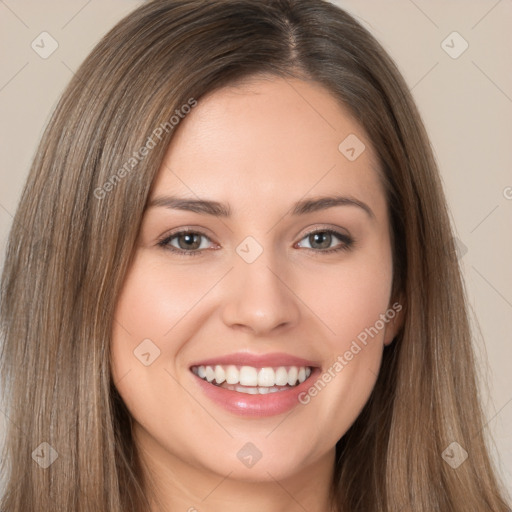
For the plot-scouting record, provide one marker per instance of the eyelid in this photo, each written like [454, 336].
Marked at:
[184, 229]
[322, 227]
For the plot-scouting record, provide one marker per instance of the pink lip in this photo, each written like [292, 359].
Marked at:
[258, 361]
[270, 404]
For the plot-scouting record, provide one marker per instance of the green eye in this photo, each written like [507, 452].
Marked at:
[190, 243]
[321, 240]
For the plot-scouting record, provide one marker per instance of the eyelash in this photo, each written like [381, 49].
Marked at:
[347, 245]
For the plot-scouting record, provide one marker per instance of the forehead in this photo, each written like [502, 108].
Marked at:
[269, 137]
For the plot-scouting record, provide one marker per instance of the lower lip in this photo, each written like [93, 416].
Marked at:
[244, 404]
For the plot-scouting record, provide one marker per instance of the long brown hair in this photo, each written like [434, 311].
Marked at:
[74, 234]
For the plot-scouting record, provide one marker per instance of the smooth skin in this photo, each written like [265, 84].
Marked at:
[258, 147]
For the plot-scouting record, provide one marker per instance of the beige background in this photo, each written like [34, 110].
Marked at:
[466, 103]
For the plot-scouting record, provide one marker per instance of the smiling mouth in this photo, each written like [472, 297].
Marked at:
[252, 380]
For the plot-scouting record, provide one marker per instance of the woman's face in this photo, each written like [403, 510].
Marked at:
[267, 285]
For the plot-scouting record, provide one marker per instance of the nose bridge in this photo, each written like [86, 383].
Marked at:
[259, 299]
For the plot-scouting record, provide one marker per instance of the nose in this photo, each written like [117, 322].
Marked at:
[260, 299]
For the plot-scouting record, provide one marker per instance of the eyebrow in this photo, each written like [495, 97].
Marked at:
[303, 207]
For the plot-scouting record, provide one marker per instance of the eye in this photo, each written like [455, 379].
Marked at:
[193, 243]
[185, 243]
[321, 241]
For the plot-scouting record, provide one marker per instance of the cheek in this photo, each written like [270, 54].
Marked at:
[143, 316]
[142, 344]
[350, 302]
[158, 310]
[350, 298]
[155, 297]
[154, 304]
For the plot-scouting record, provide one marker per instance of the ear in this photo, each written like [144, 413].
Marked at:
[395, 314]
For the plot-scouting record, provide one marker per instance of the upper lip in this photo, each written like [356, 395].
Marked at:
[275, 360]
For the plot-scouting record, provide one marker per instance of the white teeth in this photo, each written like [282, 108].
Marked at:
[255, 391]
[210, 374]
[281, 376]
[266, 377]
[232, 374]
[248, 376]
[292, 375]
[220, 374]
[252, 378]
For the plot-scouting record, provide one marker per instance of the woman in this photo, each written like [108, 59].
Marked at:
[231, 280]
